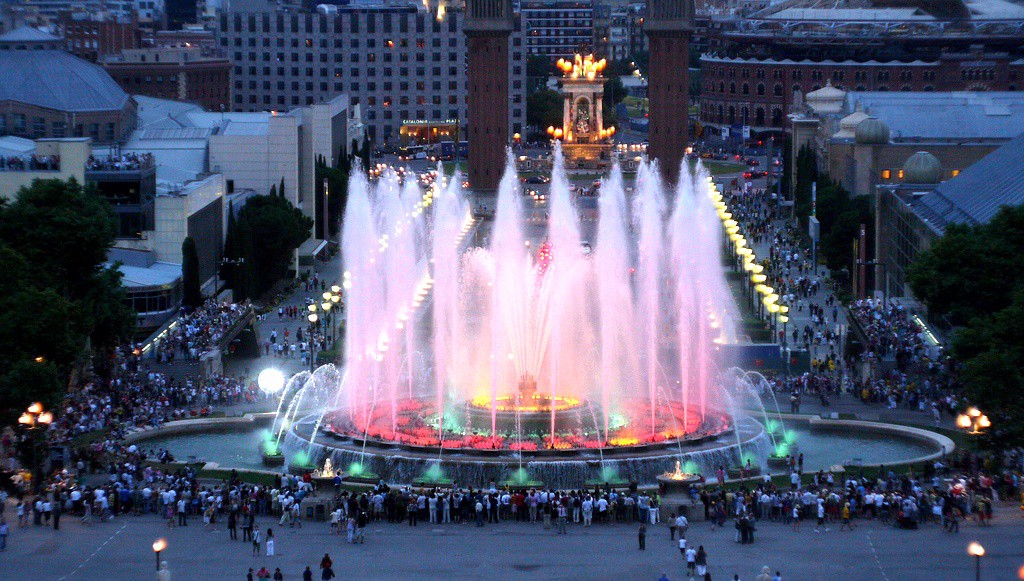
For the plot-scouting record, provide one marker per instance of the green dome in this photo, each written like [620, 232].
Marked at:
[872, 131]
[922, 168]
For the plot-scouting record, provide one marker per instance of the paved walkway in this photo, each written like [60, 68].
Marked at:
[121, 549]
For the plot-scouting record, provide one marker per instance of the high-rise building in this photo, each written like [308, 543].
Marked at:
[668, 27]
[558, 28]
[403, 64]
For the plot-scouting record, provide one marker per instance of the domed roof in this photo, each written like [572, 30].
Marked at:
[54, 79]
[872, 131]
[922, 168]
[827, 93]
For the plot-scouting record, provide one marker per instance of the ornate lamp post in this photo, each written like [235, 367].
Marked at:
[33, 418]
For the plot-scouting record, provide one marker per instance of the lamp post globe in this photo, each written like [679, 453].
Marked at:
[270, 381]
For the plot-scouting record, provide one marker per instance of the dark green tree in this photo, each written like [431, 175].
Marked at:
[972, 270]
[544, 109]
[273, 190]
[337, 185]
[806, 175]
[58, 296]
[192, 296]
[280, 190]
[281, 229]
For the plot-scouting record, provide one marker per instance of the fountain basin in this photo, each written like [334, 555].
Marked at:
[678, 483]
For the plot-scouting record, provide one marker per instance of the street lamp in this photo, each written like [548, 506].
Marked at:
[33, 418]
[270, 381]
[158, 546]
[973, 421]
[977, 551]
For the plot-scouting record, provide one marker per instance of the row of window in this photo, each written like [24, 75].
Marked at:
[819, 75]
[729, 115]
[343, 23]
[36, 128]
[339, 57]
[886, 174]
[419, 43]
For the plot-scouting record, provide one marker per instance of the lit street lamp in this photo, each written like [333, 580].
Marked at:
[973, 421]
[33, 418]
[158, 546]
[977, 551]
[270, 381]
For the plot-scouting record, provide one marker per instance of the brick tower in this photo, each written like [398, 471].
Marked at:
[488, 26]
[668, 27]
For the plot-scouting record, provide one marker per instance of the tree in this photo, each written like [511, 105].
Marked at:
[972, 276]
[614, 91]
[972, 270]
[806, 175]
[280, 190]
[337, 184]
[273, 190]
[269, 231]
[58, 296]
[538, 70]
[991, 349]
[193, 297]
[544, 109]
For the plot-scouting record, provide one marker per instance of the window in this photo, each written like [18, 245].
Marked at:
[900, 174]
[38, 127]
[886, 174]
[955, 172]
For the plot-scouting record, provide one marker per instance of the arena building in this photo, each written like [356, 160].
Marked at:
[757, 68]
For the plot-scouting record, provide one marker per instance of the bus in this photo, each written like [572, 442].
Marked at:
[449, 151]
[412, 152]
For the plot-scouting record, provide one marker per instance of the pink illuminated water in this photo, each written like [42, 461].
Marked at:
[624, 330]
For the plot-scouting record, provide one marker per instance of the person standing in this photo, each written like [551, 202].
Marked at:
[701, 561]
[642, 535]
[672, 526]
[233, 526]
[562, 517]
[182, 516]
[270, 542]
[256, 542]
[4, 530]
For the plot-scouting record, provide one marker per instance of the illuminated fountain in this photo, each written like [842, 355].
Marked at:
[531, 358]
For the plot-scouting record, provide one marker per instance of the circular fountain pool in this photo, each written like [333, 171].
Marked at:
[822, 449]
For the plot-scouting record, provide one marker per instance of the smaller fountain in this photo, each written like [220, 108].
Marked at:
[678, 482]
[433, 476]
[520, 479]
[327, 472]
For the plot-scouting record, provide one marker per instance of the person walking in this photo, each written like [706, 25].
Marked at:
[256, 542]
[701, 562]
[278, 575]
[642, 535]
[562, 517]
[270, 542]
[232, 526]
[182, 515]
[672, 526]
[691, 562]
[4, 530]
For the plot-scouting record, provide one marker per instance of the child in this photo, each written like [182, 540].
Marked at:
[642, 534]
[351, 527]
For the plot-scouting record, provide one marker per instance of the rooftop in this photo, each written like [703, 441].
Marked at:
[977, 194]
[54, 79]
[945, 116]
[158, 274]
[27, 34]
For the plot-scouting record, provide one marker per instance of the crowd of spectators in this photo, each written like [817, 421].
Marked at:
[30, 162]
[122, 162]
[197, 332]
[137, 396]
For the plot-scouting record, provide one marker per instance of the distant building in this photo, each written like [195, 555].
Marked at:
[93, 38]
[912, 215]
[863, 140]
[23, 161]
[757, 68]
[183, 73]
[399, 62]
[558, 28]
[151, 265]
[50, 93]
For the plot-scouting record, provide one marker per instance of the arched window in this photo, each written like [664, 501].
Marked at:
[721, 113]
[746, 89]
[732, 88]
[778, 90]
[732, 114]
[760, 89]
[776, 117]
[759, 117]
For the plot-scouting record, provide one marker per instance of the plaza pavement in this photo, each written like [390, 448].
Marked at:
[121, 550]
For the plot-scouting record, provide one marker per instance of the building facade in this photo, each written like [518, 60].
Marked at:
[93, 38]
[182, 73]
[558, 28]
[756, 69]
[397, 62]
